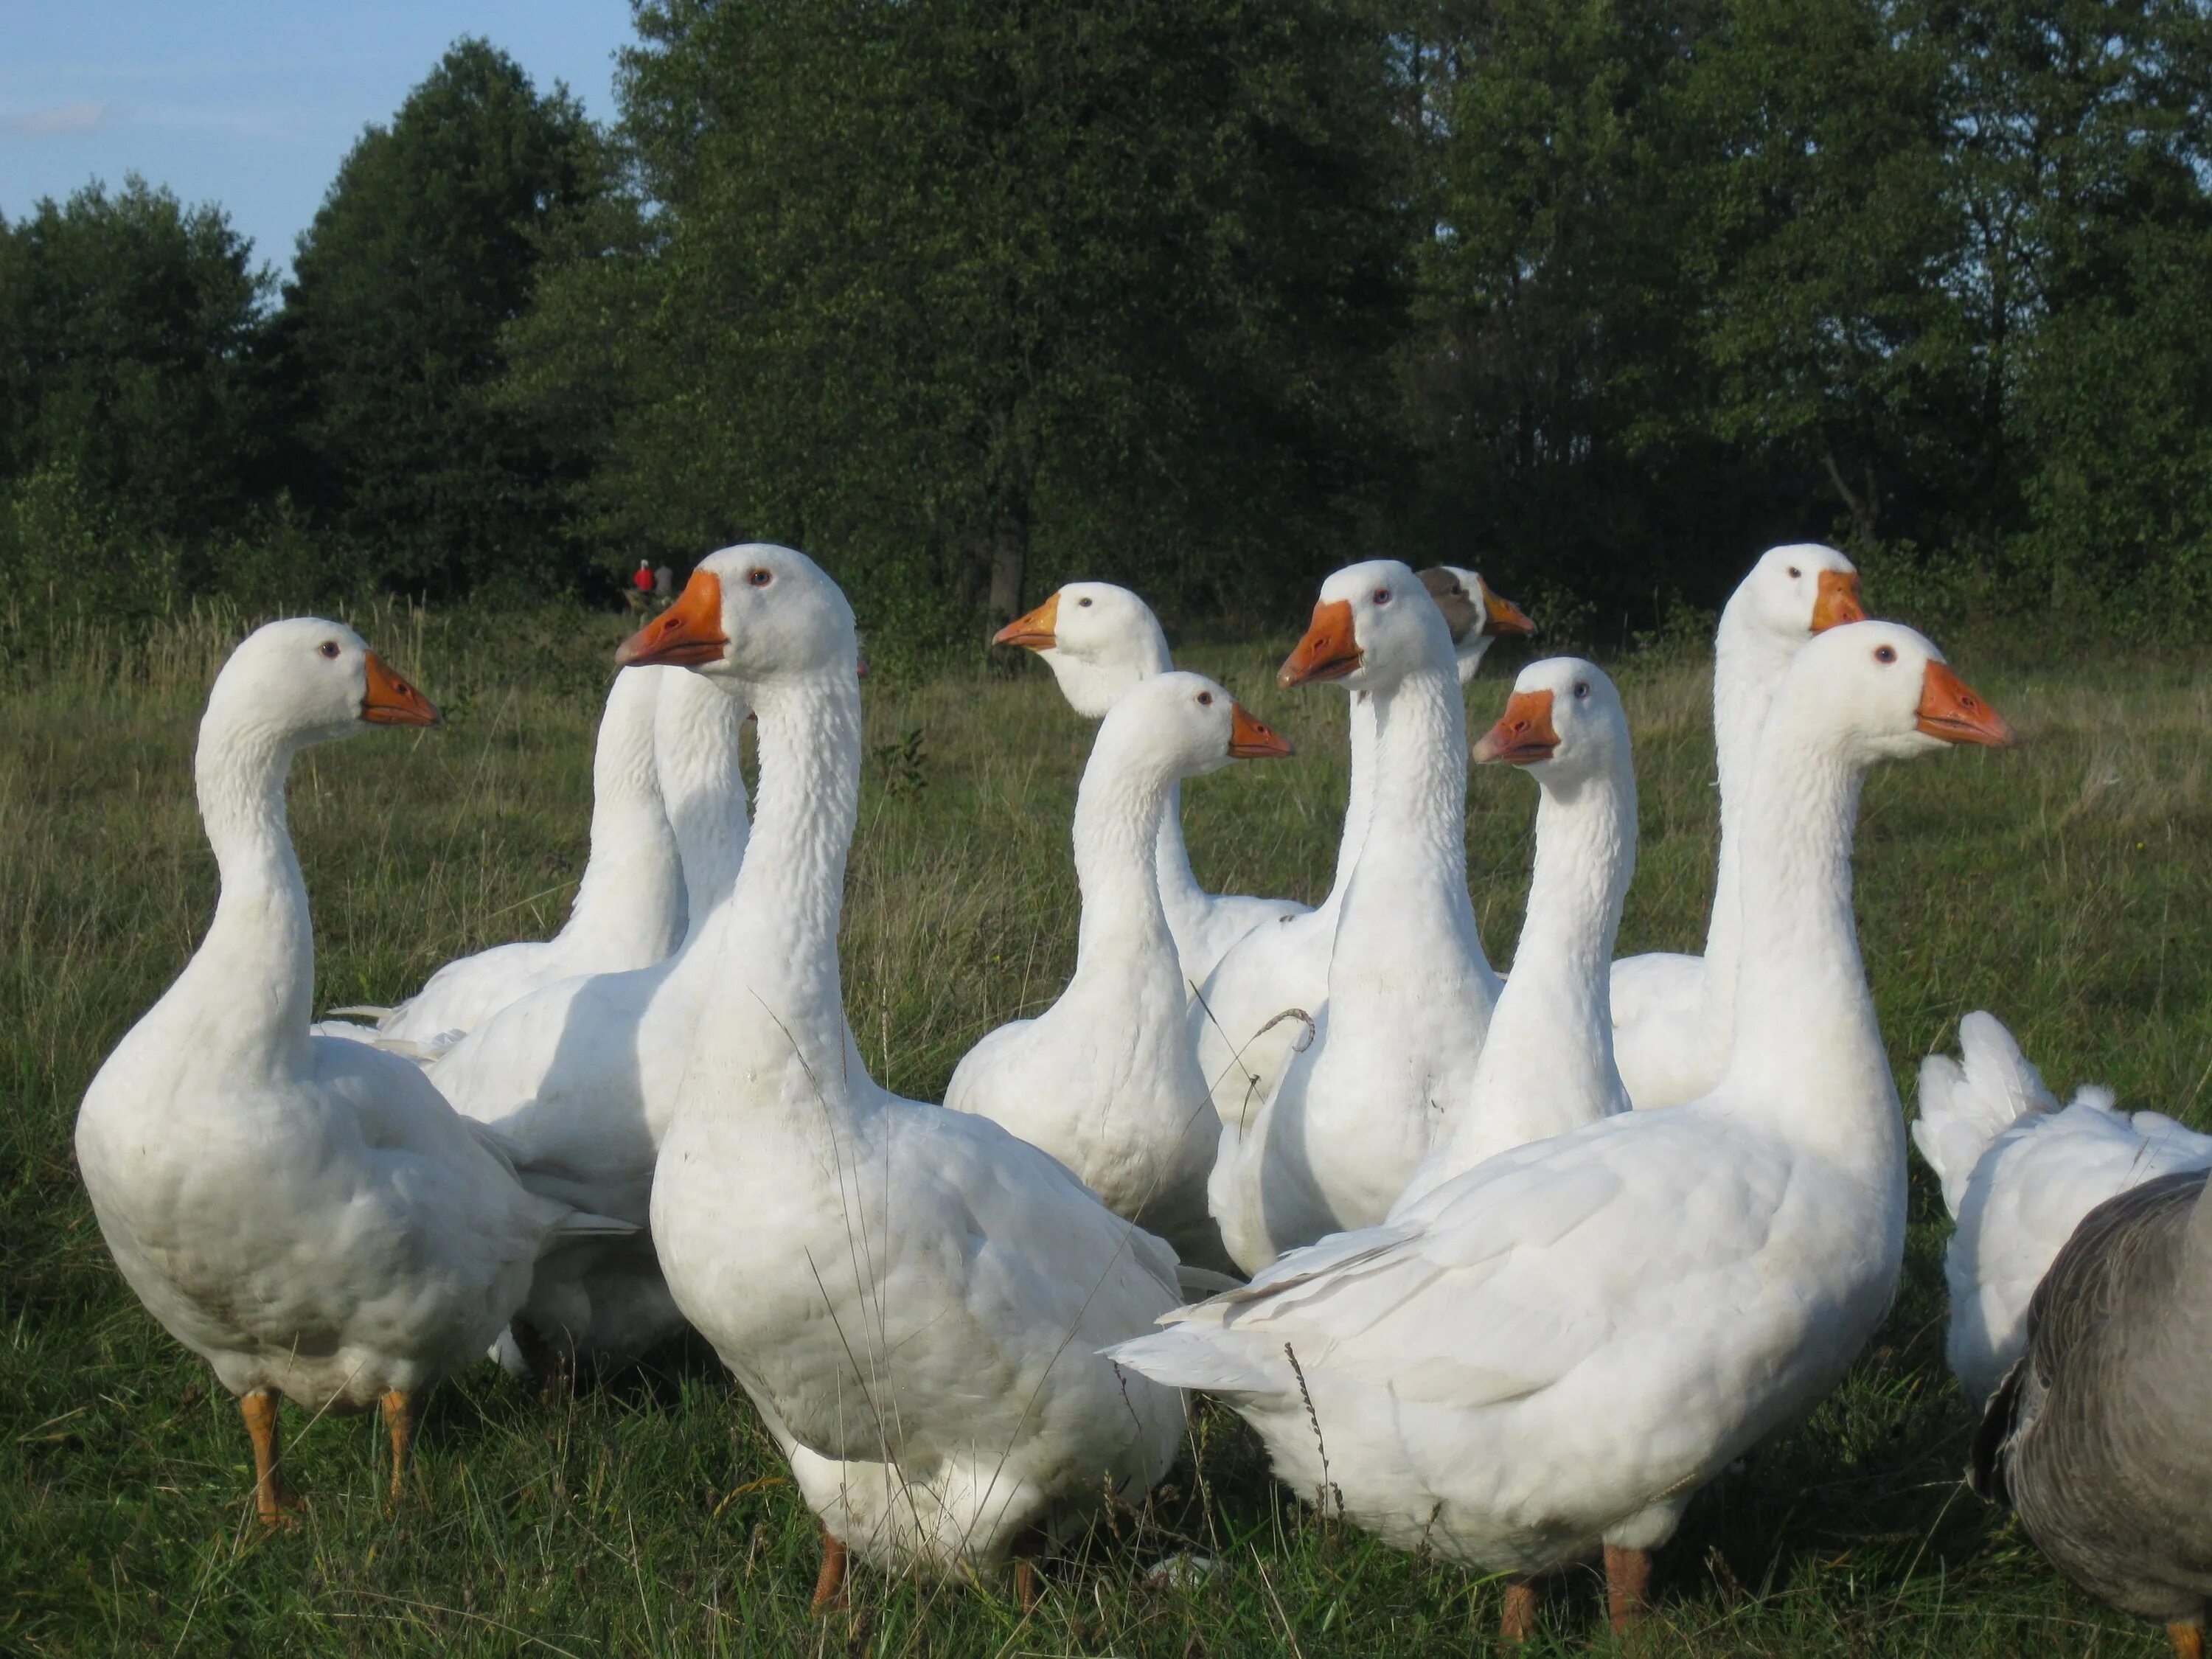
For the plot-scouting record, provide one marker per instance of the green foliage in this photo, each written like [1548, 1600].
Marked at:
[1554, 364]
[424, 249]
[972, 297]
[1826, 243]
[955, 285]
[127, 327]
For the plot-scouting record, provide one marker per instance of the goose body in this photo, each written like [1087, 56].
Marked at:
[1410, 991]
[628, 910]
[2100, 1437]
[1549, 1352]
[1673, 1013]
[1104, 1080]
[1100, 639]
[912, 1297]
[578, 1078]
[307, 1214]
[1257, 1008]
[1547, 1062]
[2019, 1173]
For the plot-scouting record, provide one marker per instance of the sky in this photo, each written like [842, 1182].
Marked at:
[251, 106]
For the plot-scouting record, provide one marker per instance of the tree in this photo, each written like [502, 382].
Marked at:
[1830, 240]
[425, 249]
[2082, 150]
[128, 324]
[1555, 379]
[964, 286]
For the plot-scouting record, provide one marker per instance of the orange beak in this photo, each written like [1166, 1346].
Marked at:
[1502, 616]
[1523, 734]
[687, 634]
[390, 701]
[1950, 710]
[1034, 632]
[1837, 601]
[1328, 651]
[1250, 740]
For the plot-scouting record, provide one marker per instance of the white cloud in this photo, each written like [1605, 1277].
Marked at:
[61, 117]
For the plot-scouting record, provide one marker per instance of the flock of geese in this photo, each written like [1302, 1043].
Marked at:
[1506, 1268]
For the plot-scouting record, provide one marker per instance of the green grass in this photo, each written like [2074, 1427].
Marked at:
[2062, 885]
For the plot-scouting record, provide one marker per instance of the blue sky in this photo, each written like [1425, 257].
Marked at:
[251, 106]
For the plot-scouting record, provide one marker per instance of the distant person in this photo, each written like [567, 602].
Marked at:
[641, 582]
[664, 584]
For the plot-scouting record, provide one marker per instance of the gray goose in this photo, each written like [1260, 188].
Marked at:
[2100, 1439]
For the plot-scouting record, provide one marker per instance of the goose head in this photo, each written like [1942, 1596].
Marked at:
[1794, 593]
[1885, 691]
[752, 615]
[313, 680]
[1097, 639]
[1373, 625]
[1563, 722]
[1184, 725]
[1476, 615]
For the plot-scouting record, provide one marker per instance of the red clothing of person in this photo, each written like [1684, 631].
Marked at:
[643, 580]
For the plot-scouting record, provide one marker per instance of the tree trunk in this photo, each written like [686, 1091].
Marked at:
[1864, 504]
[1010, 557]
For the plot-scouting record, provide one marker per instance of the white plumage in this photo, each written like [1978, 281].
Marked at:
[2018, 1172]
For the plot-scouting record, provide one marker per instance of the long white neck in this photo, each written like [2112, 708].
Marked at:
[778, 1006]
[257, 963]
[1118, 845]
[1748, 662]
[1358, 802]
[1806, 1050]
[633, 886]
[1547, 1062]
[1411, 870]
[698, 737]
[1177, 887]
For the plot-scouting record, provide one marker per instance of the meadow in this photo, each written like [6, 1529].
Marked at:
[2065, 885]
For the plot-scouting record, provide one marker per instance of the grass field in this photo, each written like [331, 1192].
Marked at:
[2063, 885]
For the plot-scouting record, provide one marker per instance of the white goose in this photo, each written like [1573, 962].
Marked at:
[1551, 1354]
[628, 909]
[1104, 1080]
[1252, 1012]
[1671, 1014]
[579, 1078]
[912, 1297]
[1547, 1064]
[1410, 991]
[304, 1212]
[2019, 1173]
[1100, 639]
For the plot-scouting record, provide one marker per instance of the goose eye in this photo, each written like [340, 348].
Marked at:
[1205, 698]
[1885, 654]
[1795, 573]
[1582, 688]
[1381, 596]
[1085, 603]
[758, 577]
[328, 648]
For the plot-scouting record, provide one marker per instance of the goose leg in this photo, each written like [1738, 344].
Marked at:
[1028, 1587]
[1627, 1587]
[2188, 1641]
[272, 1499]
[1518, 1621]
[829, 1581]
[402, 1409]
